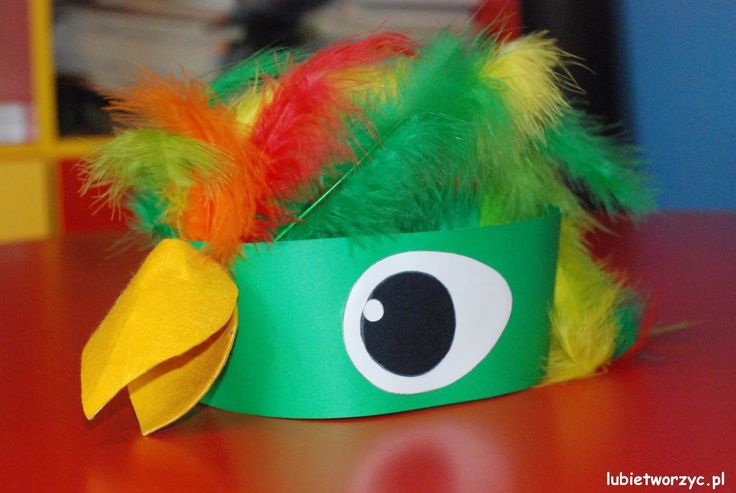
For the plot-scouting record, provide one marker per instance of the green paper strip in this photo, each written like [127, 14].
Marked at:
[289, 358]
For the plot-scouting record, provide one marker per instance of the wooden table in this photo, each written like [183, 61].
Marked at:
[670, 410]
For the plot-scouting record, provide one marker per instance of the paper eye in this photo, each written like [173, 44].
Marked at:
[419, 321]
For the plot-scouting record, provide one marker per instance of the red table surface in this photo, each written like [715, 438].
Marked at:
[668, 411]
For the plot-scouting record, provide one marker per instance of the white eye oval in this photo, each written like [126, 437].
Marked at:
[419, 321]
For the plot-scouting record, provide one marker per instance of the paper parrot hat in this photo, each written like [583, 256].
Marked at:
[380, 226]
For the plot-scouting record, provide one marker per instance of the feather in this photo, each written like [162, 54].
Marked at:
[587, 299]
[299, 127]
[251, 71]
[185, 107]
[609, 170]
[523, 187]
[149, 162]
[248, 105]
[635, 322]
[150, 216]
[304, 127]
[427, 134]
[532, 71]
[556, 146]
[588, 302]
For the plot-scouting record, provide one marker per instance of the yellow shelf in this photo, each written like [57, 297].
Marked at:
[28, 174]
[67, 147]
[48, 144]
[43, 79]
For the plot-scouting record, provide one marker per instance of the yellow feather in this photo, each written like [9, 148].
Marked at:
[250, 102]
[533, 71]
[584, 324]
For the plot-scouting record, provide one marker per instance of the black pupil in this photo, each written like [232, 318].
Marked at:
[417, 327]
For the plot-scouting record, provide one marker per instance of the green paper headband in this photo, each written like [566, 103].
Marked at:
[342, 327]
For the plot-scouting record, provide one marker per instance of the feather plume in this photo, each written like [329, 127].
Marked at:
[556, 145]
[532, 71]
[299, 126]
[420, 165]
[588, 303]
[587, 299]
[609, 170]
[253, 70]
[304, 127]
[296, 133]
[185, 107]
[149, 160]
[248, 105]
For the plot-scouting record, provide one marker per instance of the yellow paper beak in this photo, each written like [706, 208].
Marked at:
[166, 338]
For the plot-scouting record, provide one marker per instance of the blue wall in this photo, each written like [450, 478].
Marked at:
[679, 68]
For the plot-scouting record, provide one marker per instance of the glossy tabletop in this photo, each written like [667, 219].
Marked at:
[667, 411]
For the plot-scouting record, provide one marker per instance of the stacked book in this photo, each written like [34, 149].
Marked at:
[104, 41]
[418, 17]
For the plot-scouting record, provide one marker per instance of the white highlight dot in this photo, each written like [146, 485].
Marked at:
[373, 310]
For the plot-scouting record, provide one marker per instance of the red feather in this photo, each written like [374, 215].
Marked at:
[301, 130]
[305, 127]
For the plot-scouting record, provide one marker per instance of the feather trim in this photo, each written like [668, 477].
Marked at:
[420, 165]
[609, 170]
[304, 129]
[532, 71]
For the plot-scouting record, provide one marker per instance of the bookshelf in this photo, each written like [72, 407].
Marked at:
[32, 169]
[103, 40]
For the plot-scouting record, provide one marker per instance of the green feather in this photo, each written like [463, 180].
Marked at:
[629, 317]
[523, 187]
[153, 166]
[607, 169]
[149, 216]
[271, 63]
[421, 154]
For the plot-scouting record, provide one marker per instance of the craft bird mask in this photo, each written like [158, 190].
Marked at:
[386, 226]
